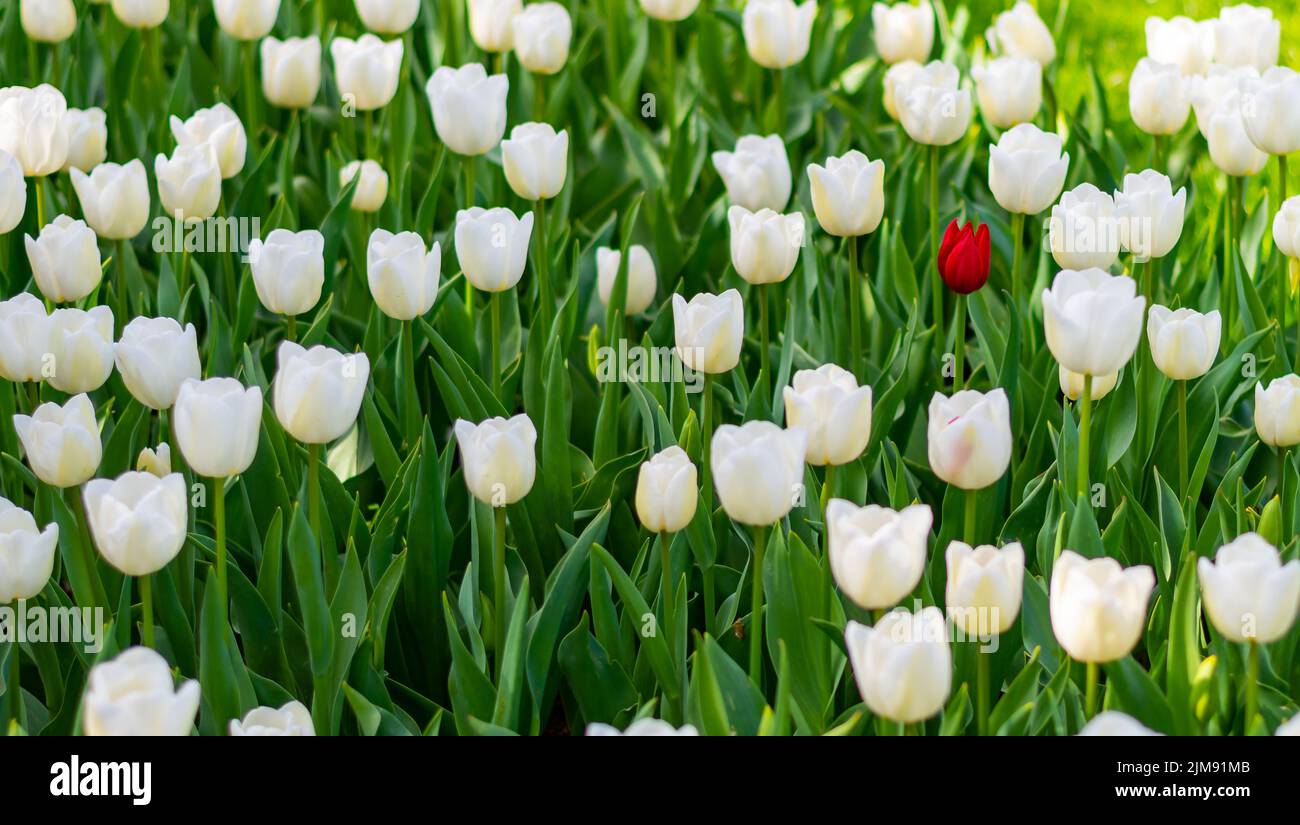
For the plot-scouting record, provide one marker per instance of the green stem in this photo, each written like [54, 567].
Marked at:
[543, 262]
[669, 96]
[494, 345]
[1017, 256]
[251, 88]
[765, 367]
[959, 345]
[1228, 290]
[469, 204]
[1090, 696]
[1149, 281]
[313, 497]
[77, 504]
[219, 524]
[778, 98]
[1284, 533]
[291, 327]
[146, 606]
[1182, 442]
[756, 611]
[120, 255]
[13, 690]
[499, 585]
[707, 446]
[40, 202]
[368, 132]
[936, 283]
[1085, 425]
[1157, 152]
[1252, 683]
[1283, 287]
[982, 691]
[855, 310]
[972, 499]
[666, 585]
[539, 97]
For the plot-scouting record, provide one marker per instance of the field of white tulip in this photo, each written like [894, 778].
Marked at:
[648, 367]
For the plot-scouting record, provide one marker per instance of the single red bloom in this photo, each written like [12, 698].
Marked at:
[964, 257]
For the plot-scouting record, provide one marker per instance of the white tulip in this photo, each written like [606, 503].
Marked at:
[1083, 232]
[758, 470]
[1027, 169]
[291, 71]
[1158, 97]
[133, 695]
[777, 32]
[217, 423]
[1098, 608]
[220, 128]
[291, 719]
[535, 160]
[402, 275]
[669, 11]
[469, 107]
[848, 194]
[154, 356]
[765, 245]
[1150, 214]
[499, 458]
[288, 270]
[903, 665]
[757, 174]
[1072, 384]
[492, 246]
[1277, 411]
[877, 554]
[246, 19]
[1020, 32]
[709, 330]
[48, 21]
[139, 521]
[33, 128]
[80, 349]
[62, 443]
[1093, 320]
[642, 727]
[1182, 42]
[903, 31]
[366, 70]
[155, 460]
[641, 279]
[1246, 35]
[1271, 110]
[1010, 90]
[87, 138]
[1286, 227]
[1290, 727]
[388, 16]
[969, 437]
[13, 193]
[371, 190]
[1219, 86]
[189, 182]
[542, 32]
[65, 260]
[1184, 343]
[667, 490]
[1115, 723]
[491, 23]
[1231, 148]
[1249, 595]
[114, 198]
[985, 586]
[141, 14]
[317, 392]
[24, 338]
[833, 411]
[931, 107]
[26, 553]
[898, 75]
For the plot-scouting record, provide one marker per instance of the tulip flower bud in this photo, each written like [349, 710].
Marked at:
[371, 190]
[189, 182]
[542, 32]
[931, 107]
[764, 245]
[469, 107]
[317, 392]
[833, 411]
[1083, 232]
[1286, 228]
[1249, 594]
[292, 719]
[220, 128]
[499, 458]
[969, 437]
[291, 71]
[965, 255]
[288, 270]
[758, 470]
[1158, 97]
[1010, 90]
[217, 423]
[13, 193]
[138, 521]
[1246, 35]
[641, 279]
[80, 349]
[114, 198]
[1115, 723]
[1231, 148]
[903, 665]
[366, 70]
[1271, 110]
[133, 695]
[1184, 343]
[1277, 411]
[667, 490]
[33, 129]
[757, 173]
[1219, 86]
[24, 338]
[1098, 608]
[388, 16]
[48, 21]
[877, 554]
[154, 357]
[403, 277]
[1182, 42]
[492, 245]
[897, 76]
[848, 194]
[642, 727]
[709, 330]
[246, 19]
[1027, 169]
[156, 461]
[535, 160]
[777, 32]
[87, 138]
[1150, 214]
[1093, 320]
[141, 14]
[903, 31]
[65, 260]
[1020, 32]
[1291, 727]
[984, 587]
[62, 443]
[1072, 384]
[491, 23]
[26, 553]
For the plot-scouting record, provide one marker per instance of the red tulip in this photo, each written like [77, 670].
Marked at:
[964, 257]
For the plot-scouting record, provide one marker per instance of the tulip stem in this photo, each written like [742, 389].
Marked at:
[469, 204]
[1284, 532]
[670, 76]
[828, 579]
[13, 691]
[936, 284]
[959, 345]
[543, 263]
[972, 497]
[706, 425]
[1182, 445]
[77, 504]
[756, 611]
[219, 525]
[313, 495]
[982, 680]
[494, 344]
[291, 327]
[1228, 291]
[1017, 255]
[120, 254]
[251, 88]
[1283, 288]
[1158, 153]
[778, 101]
[1090, 695]
[499, 586]
[539, 97]
[666, 586]
[765, 366]
[40, 202]
[1085, 425]
[146, 609]
[855, 309]
[1252, 684]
